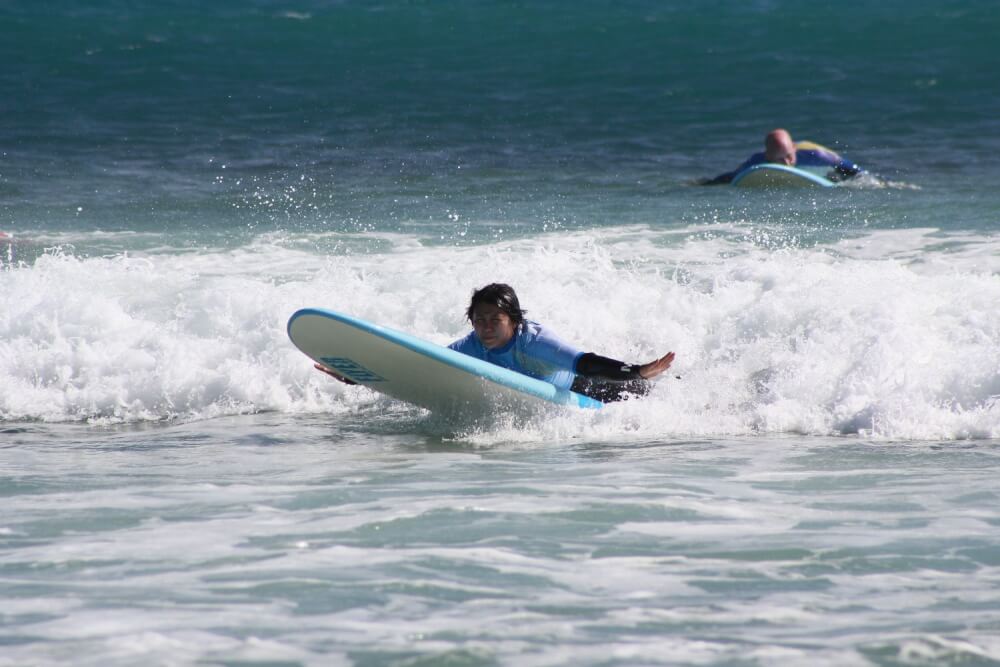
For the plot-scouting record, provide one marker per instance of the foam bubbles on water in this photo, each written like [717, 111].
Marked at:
[129, 339]
[889, 335]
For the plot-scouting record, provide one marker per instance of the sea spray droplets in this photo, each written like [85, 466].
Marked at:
[813, 341]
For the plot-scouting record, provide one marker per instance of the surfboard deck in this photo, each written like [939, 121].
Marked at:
[779, 176]
[419, 372]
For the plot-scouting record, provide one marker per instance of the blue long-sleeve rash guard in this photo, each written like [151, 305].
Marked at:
[533, 351]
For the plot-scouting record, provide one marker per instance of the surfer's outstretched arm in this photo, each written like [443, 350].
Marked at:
[594, 365]
[609, 380]
[654, 368]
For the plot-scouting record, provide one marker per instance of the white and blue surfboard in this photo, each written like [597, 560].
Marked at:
[417, 371]
[781, 176]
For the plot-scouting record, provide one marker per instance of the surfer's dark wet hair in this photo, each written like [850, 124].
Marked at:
[500, 295]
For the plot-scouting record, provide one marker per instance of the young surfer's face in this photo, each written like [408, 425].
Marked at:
[493, 327]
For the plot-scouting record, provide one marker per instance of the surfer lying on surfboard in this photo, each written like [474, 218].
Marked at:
[780, 149]
[502, 336]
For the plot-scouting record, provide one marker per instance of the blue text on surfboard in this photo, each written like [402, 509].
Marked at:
[351, 369]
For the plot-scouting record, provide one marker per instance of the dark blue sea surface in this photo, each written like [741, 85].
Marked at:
[364, 114]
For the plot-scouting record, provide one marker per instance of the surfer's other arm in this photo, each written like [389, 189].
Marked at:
[333, 374]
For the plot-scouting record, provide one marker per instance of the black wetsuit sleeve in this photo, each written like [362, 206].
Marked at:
[594, 365]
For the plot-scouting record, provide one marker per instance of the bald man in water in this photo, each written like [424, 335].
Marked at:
[780, 149]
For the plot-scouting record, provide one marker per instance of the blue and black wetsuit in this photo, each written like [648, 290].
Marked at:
[536, 352]
[807, 154]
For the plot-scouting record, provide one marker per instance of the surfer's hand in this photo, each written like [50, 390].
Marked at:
[654, 368]
[335, 376]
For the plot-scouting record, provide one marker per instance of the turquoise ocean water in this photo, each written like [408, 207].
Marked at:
[180, 487]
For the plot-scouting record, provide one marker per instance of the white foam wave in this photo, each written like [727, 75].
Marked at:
[890, 334]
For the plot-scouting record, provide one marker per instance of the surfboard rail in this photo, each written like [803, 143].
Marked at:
[779, 175]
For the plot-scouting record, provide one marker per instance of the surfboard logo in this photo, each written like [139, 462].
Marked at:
[351, 369]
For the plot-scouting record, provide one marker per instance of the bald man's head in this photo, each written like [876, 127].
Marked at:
[779, 147]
